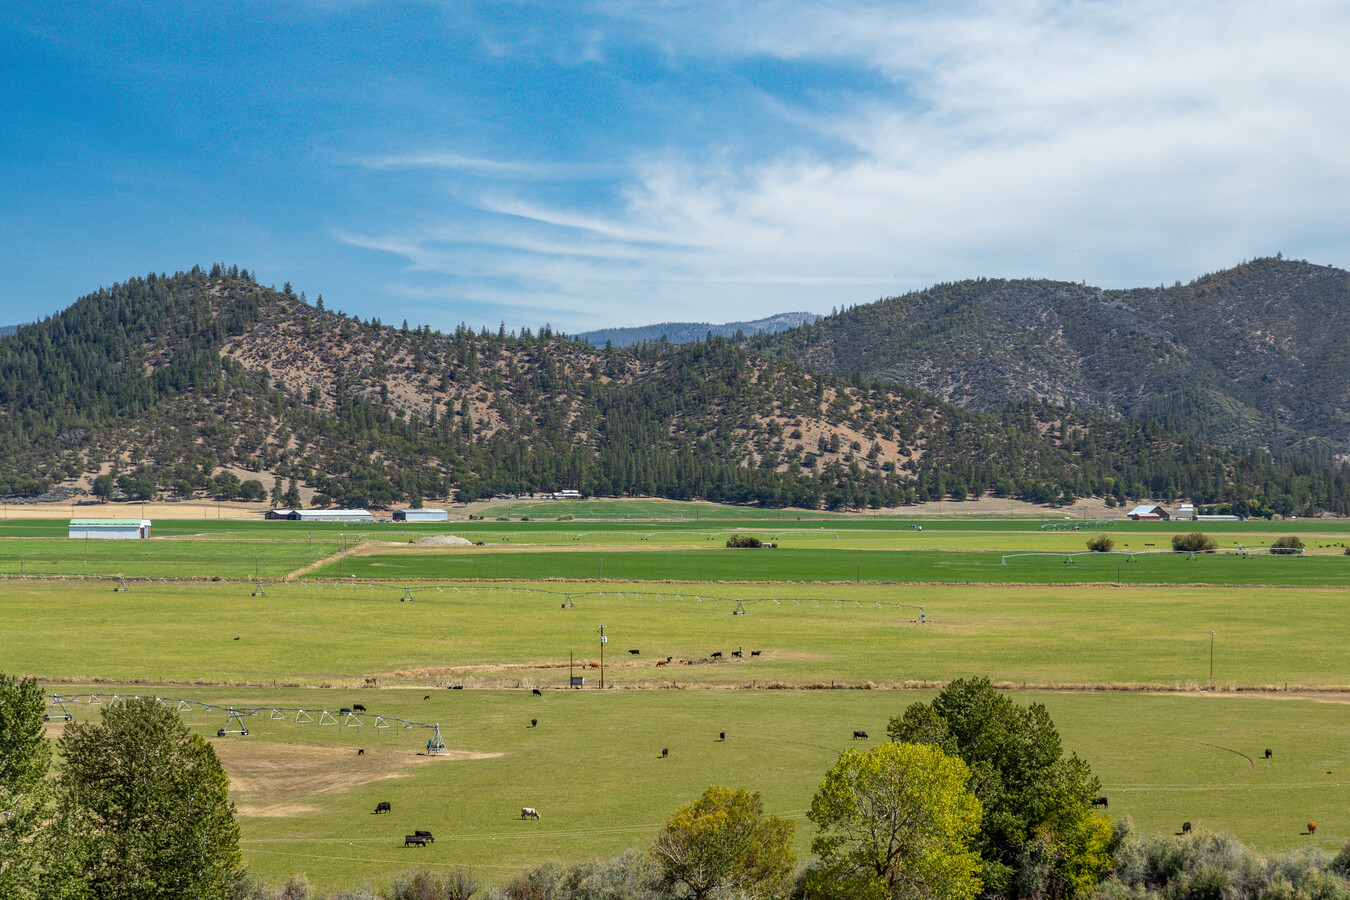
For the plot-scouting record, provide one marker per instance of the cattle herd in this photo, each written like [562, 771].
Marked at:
[422, 838]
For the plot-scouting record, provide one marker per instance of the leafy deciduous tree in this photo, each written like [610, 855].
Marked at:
[1038, 836]
[722, 843]
[25, 797]
[896, 823]
[150, 803]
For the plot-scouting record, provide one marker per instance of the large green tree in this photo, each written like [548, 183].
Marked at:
[25, 796]
[722, 844]
[895, 824]
[1038, 835]
[149, 802]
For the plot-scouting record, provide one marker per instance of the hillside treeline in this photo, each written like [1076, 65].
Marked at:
[170, 379]
[1257, 355]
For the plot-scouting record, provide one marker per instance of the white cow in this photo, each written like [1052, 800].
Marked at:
[529, 812]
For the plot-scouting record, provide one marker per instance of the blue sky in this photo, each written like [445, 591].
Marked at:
[589, 164]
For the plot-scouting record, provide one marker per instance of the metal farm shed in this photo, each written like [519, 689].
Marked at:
[421, 515]
[331, 515]
[110, 529]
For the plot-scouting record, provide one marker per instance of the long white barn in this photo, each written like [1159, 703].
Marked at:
[110, 529]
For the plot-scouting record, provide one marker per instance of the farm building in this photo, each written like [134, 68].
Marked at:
[1218, 518]
[110, 529]
[1148, 512]
[421, 515]
[567, 495]
[278, 514]
[1187, 511]
[330, 515]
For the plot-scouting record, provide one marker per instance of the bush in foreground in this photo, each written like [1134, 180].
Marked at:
[1194, 542]
[1102, 543]
[1202, 864]
[1288, 544]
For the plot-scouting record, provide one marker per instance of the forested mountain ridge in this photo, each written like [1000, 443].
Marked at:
[171, 378]
[1257, 355]
[686, 332]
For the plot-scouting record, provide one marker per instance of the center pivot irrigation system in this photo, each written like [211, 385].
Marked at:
[569, 598]
[1240, 551]
[345, 717]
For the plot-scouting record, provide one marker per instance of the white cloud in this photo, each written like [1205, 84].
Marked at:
[1122, 143]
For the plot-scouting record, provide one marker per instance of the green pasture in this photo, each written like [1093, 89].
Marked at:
[509, 635]
[592, 768]
[162, 558]
[789, 565]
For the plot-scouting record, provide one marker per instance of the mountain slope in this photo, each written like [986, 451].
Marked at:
[1258, 355]
[686, 332]
[169, 379]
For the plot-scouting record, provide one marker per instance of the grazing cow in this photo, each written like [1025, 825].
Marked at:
[236, 639]
[361, 752]
[1185, 827]
[358, 707]
[457, 687]
[754, 653]
[721, 735]
[427, 835]
[411, 839]
[345, 711]
[860, 735]
[426, 697]
[1312, 828]
[534, 723]
[661, 662]
[1100, 801]
[717, 655]
[665, 751]
[383, 806]
[1269, 754]
[537, 693]
[635, 652]
[529, 812]
[739, 654]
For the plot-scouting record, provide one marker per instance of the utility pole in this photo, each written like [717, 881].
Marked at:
[604, 639]
[1211, 660]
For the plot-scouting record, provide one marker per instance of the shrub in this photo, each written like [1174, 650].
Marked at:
[1287, 544]
[457, 884]
[744, 540]
[1102, 543]
[1195, 542]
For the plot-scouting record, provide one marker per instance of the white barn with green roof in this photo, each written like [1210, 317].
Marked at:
[110, 529]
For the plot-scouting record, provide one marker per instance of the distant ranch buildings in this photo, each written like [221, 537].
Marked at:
[1145, 512]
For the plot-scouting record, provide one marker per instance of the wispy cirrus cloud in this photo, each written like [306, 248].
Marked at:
[1122, 143]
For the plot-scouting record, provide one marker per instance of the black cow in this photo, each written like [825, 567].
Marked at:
[345, 711]
[635, 652]
[721, 735]
[739, 654]
[425, 834]
[1100, 801]
[537, 693]
[534, 723]
[717, 655]
[426, 697]
[1185, 827]
[383, 806]
[358, 707]
[457, 687]
[860, 735]
[411, 839]
[665, 751]
[361, 752]
[1269, 754]
[754, 653]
